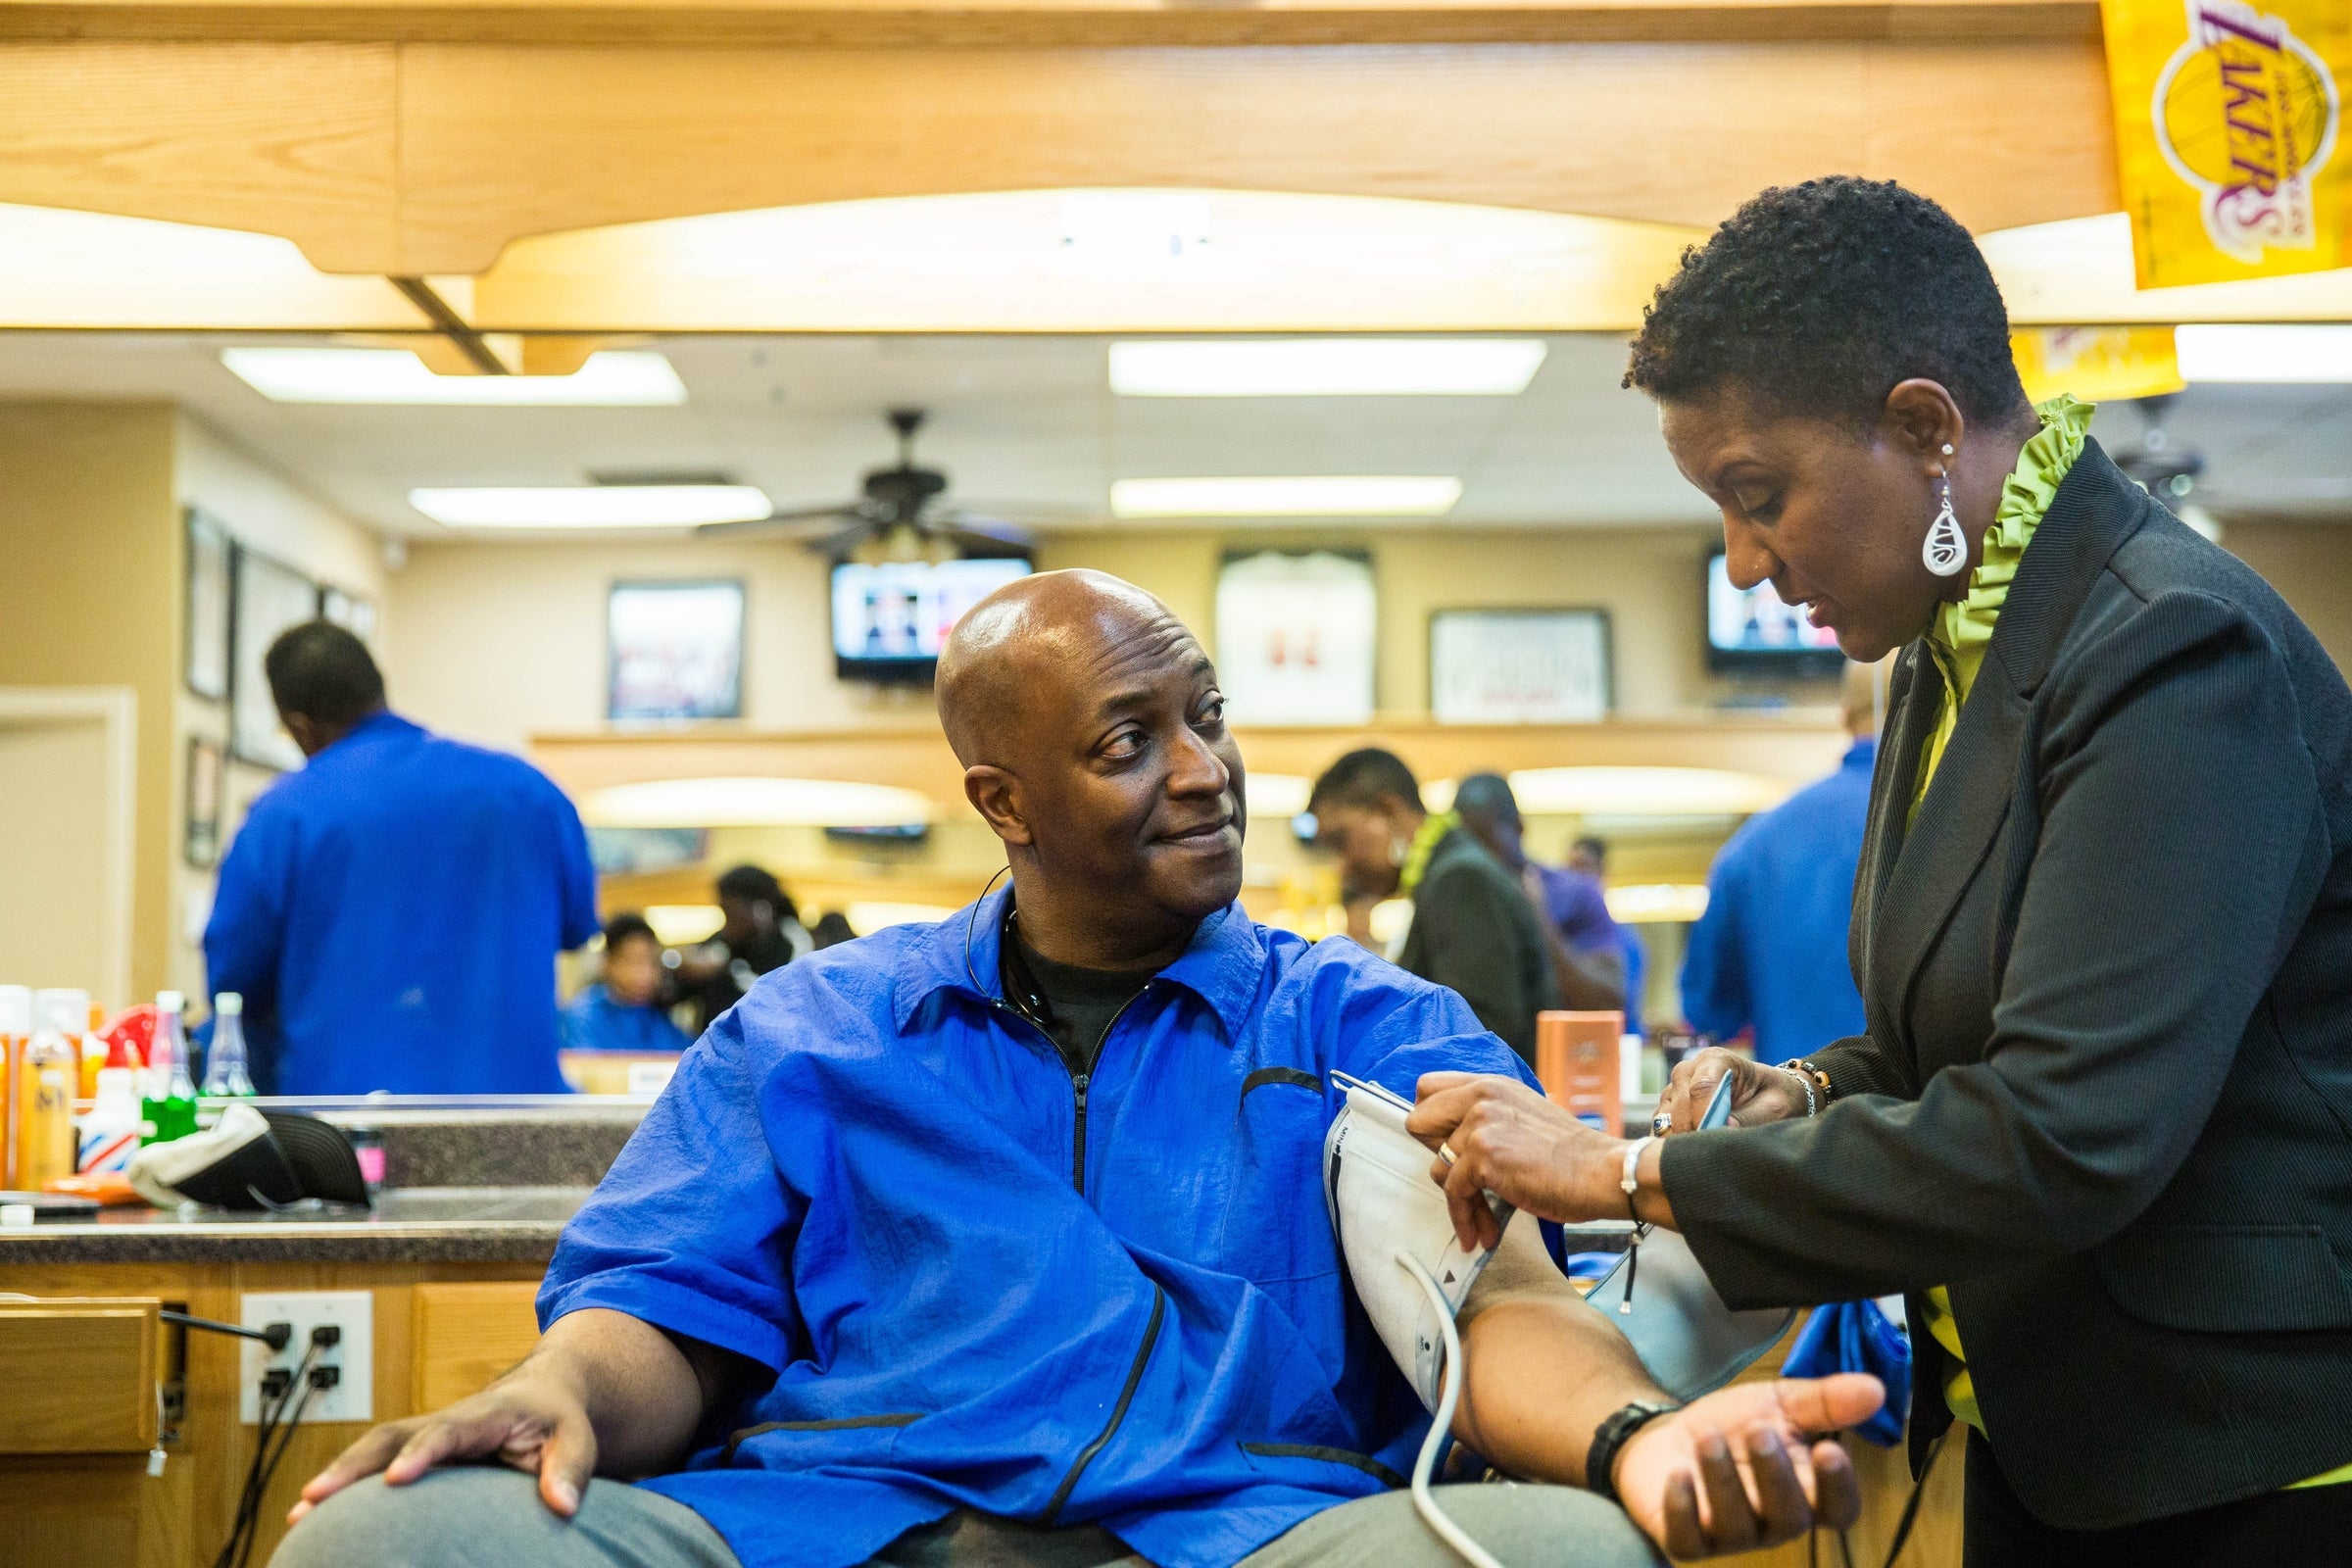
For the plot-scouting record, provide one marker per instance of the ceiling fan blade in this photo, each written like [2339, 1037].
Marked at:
[778, 521]
[977, 525]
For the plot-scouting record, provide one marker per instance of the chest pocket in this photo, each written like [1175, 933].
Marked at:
[1274, 1228]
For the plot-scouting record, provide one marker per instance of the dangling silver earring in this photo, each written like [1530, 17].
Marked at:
[1945, 550]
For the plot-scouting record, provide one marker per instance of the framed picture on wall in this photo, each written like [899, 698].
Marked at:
[676, 651]
[200, 840]
[269, 597]
[210, 587]
[1519, 666]
[353, 612]
[1294, 637]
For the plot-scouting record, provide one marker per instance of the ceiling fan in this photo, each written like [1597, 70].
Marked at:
[902, 496]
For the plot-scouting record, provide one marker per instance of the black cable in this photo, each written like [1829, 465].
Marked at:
[249, 1501]
[276, 1335]
[285, 1440]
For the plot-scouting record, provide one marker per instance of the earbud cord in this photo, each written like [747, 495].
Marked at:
[1442, 1424]
[971, 923]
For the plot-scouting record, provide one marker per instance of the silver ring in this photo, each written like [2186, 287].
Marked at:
[1447, 1153]
[1661, 1124]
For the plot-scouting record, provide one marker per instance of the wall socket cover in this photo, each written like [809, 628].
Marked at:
[353, 1399]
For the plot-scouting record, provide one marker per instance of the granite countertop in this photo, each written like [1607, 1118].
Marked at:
[409, 1225]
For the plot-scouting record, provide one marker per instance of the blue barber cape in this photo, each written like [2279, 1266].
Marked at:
[870, 1177]
[1769, 951]
[391, 912]
[595, 1021]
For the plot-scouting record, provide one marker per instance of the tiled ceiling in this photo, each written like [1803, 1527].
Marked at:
[1027, 427]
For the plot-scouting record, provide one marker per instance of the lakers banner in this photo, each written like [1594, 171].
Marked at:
[2228, 120]
[2096, 363]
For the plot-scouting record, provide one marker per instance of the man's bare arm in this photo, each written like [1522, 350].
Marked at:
[1741, 1468]
[604, 1394]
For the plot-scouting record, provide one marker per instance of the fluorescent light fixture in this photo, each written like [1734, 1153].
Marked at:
[2277, 354]
[609, 379]
[681, 925]
[1649, 903]
[592, 505]
[1277, 796]
[870, 915]
[755, 803]
[1344, 495]
[1325, 367]
[1642, 792]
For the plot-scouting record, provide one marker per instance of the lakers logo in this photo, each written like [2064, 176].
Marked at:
[2246, 112]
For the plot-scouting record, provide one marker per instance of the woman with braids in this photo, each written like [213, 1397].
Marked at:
[2096, 1127]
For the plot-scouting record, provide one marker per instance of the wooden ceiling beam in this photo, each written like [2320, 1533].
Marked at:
[900, 24]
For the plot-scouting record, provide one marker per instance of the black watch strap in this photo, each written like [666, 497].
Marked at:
[1600, 1460]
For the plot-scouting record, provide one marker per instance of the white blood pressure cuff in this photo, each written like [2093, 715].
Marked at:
[1377, 1189]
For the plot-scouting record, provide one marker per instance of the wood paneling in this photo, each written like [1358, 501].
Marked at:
[466, 1337]
[78, 1375]
[424, 158]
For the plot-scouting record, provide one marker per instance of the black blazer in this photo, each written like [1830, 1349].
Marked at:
[2106, 1091]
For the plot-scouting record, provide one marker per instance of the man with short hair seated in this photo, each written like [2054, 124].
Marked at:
[1002, 1241]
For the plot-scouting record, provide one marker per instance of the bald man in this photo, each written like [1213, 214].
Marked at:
[1002, 1242]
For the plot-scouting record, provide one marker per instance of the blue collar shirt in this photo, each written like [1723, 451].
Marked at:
[391, 912]
[597, 1020]
[982, 1282]
[1769, 953]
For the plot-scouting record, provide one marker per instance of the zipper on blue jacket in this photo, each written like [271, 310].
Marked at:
[1079, 1081]
[1118, 1414]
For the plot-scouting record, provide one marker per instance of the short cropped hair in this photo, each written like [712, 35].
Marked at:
[322, 672]
[1487, 796]
[756, 885]
[627, 928]
[1820, 298]
[1365, 778]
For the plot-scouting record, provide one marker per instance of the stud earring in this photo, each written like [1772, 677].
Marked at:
[1945, 550]
[1399, 847]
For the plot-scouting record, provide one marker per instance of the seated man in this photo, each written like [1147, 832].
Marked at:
[623, 1011]
[1002, 1240]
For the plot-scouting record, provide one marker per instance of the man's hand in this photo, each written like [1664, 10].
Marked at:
[1759, 1094]
[1748, 1466]
[1505, 1139]
[535, 1420]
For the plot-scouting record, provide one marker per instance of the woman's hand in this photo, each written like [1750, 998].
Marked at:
[1759, 1094]
[1748, 1466]
[1508, 1139]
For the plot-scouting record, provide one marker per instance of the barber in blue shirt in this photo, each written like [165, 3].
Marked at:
[1002, 1239]
[392, 911]
[622, 1011]
[1769, 951]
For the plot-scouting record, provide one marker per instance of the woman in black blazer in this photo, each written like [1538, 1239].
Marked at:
[2099, 1131]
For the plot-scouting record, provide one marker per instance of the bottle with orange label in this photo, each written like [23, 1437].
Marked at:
[15, 1027]
[45, 1079]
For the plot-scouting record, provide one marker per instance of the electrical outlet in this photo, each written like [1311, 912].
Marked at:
[352, 1313]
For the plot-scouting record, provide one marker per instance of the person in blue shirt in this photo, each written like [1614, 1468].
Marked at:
[1588, 951]
[622, 1011]
[1769, 953]
[1002, 1239]
[391, 912]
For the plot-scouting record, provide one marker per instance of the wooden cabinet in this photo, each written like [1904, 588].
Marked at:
[79, 1375]
[465, 1337]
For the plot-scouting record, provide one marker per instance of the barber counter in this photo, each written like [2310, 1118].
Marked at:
[436, 1283]
[443, 1272]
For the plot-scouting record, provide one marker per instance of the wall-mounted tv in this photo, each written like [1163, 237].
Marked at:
[1753, 631]
[889, 620]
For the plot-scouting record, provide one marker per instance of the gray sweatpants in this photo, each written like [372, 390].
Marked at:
[491, 1517]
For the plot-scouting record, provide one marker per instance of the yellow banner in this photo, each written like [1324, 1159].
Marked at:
[2096, 363]
[2226, 120]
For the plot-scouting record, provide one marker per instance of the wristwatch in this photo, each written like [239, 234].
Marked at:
[1600, 1460]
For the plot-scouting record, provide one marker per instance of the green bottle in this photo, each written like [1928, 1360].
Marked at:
[169, 1103]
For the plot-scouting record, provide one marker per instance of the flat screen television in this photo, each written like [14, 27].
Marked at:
[1753, 631]
[889, 620]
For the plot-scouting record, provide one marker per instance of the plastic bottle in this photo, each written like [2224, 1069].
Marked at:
[15, 1027]
[46, 1078]
[116, 1125]
[169, 1100]
[93, 1053]
[225, 1074]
